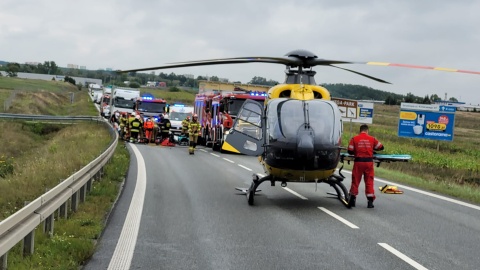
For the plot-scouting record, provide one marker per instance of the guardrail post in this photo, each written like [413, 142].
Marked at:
[3, 261]
[29, 243]
[74, 205]
[62, 211]
[48, 224]
[89, 185]
[83, 193]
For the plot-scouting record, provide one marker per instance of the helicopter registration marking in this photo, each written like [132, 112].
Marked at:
[339, 218]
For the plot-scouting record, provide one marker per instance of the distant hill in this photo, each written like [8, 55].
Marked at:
[3, 63]
[359, 92]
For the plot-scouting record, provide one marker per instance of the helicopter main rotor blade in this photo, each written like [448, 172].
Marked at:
[417, 66]
[222, 61]
[361, 74]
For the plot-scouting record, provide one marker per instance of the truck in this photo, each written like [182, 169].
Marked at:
[217, 113]
[123, 99]
[177, 113]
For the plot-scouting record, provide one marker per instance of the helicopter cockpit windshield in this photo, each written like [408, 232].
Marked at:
[287, 116]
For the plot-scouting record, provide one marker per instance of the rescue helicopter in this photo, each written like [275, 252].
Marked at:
[297, 134]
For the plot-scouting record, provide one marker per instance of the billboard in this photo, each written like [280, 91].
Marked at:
[424, 121]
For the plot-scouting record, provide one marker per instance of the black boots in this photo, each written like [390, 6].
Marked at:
[351, 201]
[370, 203]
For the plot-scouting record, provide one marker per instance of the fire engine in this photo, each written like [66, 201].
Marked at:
[148, 106]
[217, 112]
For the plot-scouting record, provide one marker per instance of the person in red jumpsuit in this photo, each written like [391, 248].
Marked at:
[362, 147]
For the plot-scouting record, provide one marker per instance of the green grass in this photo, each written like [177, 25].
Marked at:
[9, 83]
[74, 239]
[47, 161]
[186, 97]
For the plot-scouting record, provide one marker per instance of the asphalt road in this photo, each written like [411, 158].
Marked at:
[184, 213]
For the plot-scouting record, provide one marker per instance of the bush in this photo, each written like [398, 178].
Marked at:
[6, 166]
[174, 89]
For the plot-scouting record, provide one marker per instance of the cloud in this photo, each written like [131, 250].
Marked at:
[124, 34]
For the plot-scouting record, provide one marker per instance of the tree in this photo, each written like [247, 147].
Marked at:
[214, 79]
[12, 69]
[435, 97]
[426, 100]
[70, 80]
[258, 80]
[390, 100]
[134, 85]
[410, 98]
[452, 99]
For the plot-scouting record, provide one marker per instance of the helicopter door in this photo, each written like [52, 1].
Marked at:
[246, 135]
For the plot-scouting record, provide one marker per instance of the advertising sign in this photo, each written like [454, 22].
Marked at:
[433, 122]
[365, 113]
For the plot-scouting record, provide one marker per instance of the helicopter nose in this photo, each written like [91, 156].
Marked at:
[305, 148]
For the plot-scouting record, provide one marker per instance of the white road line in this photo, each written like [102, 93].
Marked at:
[226, 159]
[246, 168]
[123, 254]
[295, 193]
[476, 207]
[203, 150]
[215, 155]
[402, 256]
[344, 221]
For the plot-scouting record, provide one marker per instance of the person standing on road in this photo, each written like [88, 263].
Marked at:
[193, 132]
[362, 147]
[185, 123]
[148, 126]
[135, 128]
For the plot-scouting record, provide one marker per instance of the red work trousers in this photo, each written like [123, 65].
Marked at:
[364, 169]
[148, 134]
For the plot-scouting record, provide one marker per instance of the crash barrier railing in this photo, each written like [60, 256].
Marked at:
[21, 225]
[48, 117]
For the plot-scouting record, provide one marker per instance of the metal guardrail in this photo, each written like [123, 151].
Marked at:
[49, 117]
[22, 224]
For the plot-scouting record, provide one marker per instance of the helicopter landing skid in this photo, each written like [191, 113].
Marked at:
[335, 181]
[250, 192]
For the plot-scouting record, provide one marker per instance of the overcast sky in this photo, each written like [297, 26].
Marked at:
[128, 34]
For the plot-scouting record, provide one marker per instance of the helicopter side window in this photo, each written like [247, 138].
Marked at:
[249, 121]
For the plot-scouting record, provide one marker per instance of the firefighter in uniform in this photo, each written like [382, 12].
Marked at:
[135, 128]
[362, 147]
[193, 132]
[123, 125]
[185, 123]
[164, 126]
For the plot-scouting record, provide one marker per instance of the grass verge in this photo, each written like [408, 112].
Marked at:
[73, 241]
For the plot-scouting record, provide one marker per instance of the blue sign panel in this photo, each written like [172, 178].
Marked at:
[431, 122]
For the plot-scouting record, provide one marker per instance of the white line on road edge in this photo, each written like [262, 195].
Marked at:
[214, 155]
[344, 221]
[246, 168]
[231, 161]
[476, 207]
[295, 193]
[123, 254]
[402, 256]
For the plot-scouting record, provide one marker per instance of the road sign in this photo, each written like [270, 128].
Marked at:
[348, 107]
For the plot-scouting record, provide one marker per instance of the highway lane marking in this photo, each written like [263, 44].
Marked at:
[246, 168]
[203, 150]
[123, 254]
[295, 193]
[476, 207]
[226, 159]
[402, 256]
[339, 218]
[215, 155]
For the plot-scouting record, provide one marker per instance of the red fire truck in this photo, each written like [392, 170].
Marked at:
[217, 112]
